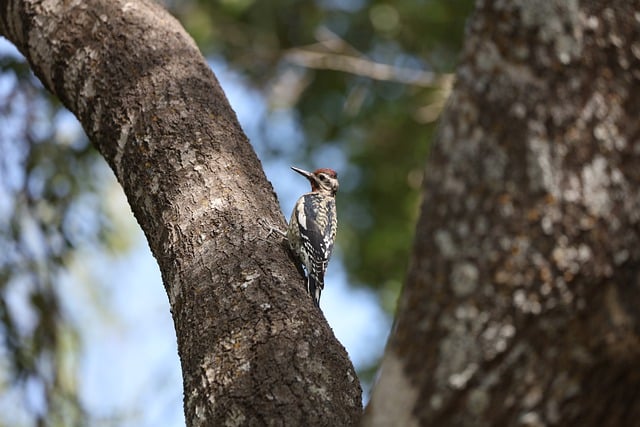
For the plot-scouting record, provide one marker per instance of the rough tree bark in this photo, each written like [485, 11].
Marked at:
[521, 306]
[253, 348]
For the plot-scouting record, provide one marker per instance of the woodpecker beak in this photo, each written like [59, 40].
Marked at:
[304, 173]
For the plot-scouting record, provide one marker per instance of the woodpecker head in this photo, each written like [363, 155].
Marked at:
[322, 180]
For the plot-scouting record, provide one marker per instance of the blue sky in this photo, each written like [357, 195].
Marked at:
[129, 357]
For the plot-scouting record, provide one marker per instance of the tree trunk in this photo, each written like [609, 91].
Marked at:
[521, 306]
[254, 350]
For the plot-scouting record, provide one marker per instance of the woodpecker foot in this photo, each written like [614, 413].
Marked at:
[271, 229]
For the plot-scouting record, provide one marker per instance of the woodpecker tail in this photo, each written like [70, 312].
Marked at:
[314, 287]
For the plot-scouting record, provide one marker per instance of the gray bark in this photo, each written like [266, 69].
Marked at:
[521, 306]
[253, 348]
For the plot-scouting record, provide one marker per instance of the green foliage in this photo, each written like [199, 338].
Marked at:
[358, 76]
[48, 211]
[326, 55]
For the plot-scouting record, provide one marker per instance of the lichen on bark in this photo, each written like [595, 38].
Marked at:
[524, 273]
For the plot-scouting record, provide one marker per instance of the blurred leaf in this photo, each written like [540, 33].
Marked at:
[368, 78]
[365, 81]
[48, 211]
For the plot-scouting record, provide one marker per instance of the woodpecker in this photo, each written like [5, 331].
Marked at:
[312, 228]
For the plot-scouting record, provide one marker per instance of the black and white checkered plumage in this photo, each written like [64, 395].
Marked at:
[312, 228]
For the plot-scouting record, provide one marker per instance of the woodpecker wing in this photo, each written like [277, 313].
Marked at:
[317, 223]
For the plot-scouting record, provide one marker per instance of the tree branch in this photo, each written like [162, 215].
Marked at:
[520, 306]
[334, 53]
[364, 67]
[251, 344]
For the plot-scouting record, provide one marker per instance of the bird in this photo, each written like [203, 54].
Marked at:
[312, 229]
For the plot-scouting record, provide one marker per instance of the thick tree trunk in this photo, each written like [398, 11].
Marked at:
[521, 306]
[254, 350]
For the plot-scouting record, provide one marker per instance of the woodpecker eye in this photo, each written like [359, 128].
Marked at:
[323, 177]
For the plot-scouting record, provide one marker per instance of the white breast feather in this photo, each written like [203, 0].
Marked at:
[302, 218]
